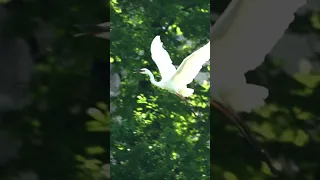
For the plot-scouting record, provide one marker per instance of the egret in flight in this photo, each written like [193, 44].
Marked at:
[241, 38]
[175, 80]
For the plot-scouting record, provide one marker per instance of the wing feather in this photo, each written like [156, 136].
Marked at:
[162, 59]
[243, 35]
[191, 66]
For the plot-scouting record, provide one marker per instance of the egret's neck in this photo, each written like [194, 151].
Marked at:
[152, 80]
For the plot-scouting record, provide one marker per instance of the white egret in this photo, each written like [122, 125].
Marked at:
[241, 38]
[243, 35]
[175, 81]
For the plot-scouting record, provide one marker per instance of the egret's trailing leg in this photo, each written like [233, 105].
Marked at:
[184, 99]
[247, 133]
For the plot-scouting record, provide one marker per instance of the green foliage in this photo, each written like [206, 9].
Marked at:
[154, 134]
[4, 1]
[101, 120]
[287, 127]
[57, 139]
[92, 168]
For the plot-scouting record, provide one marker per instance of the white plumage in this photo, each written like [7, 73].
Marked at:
[175, 81]
[162, 59]
[241, 38]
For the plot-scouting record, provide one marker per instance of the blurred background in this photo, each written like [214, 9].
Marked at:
[154, 134]
[53, 91]
[288, 126]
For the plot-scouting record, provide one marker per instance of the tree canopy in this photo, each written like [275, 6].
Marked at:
[60, 122]
[287, 127]
[61, 131]
[154, 134]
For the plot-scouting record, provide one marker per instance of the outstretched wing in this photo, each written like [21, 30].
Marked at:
[242, 37]
[191, 66]
[248, 30]
[161, 57]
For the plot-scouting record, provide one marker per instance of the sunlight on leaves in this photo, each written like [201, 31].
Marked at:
[267, 110]
[4, 1]
[114, 6]
[309, 80]
[96, 114]
[315, 20]
[266, 129]
[95, 150]
[101, 120]
[301, 138]
[229, 176]
[301, 114]
[287, 135]
[265, 168]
